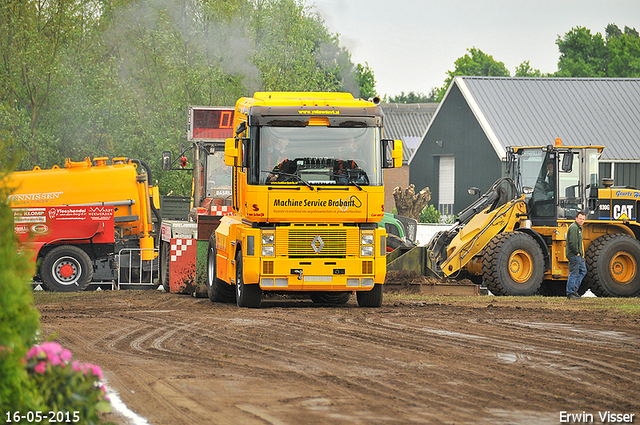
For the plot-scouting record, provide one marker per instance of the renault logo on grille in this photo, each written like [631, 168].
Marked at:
[317, 244]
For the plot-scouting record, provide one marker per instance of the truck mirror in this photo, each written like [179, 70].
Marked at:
[391, 153]
[387, 153]
[397, 153]
[230, 152]
[567, 162]
[245, 152]
[241, 128]
[166, 160]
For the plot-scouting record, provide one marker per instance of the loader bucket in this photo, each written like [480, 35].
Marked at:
[410, 259]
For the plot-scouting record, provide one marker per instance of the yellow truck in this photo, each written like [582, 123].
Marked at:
[308, 193]
[91, 221]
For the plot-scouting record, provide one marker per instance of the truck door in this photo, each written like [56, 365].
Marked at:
[570, 188]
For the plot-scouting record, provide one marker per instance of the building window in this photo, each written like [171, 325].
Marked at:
[446, 185]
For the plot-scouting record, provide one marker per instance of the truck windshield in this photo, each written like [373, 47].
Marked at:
[218, 177]
[532, 169]
[318, 155]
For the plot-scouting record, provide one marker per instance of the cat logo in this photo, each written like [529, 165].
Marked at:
[622, 212]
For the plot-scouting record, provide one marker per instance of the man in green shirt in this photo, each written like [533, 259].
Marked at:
[575, 255]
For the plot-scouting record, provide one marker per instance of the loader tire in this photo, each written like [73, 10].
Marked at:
[246, 295]
[612, 266]
[217, 289]
[66, 268]
[372, 298]
[513, 264]
[330, 297]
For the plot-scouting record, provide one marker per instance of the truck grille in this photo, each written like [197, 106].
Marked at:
[318, 241]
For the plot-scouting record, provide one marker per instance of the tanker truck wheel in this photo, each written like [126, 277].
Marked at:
[513, 264]
[246, 295]
[217, 289]
[612, 266]
[66, 268]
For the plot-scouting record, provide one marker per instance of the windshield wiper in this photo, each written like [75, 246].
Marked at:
[354, 182]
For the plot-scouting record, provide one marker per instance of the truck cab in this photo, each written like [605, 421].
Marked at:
[308, 191]
[559, 181]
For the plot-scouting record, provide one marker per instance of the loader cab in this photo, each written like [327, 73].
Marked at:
[559, 182]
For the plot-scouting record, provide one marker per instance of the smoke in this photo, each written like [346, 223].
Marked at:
[186, 38]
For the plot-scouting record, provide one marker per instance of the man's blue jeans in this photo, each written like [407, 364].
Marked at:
[577, 272]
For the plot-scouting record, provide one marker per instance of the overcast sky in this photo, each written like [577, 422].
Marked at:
[411, 44]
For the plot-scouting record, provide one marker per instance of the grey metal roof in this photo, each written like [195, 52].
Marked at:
[535, 111]
[407, 122]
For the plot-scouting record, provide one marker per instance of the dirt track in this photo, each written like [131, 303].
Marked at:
[180, 360]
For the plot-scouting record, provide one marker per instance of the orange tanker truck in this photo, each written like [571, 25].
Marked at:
[88, 222]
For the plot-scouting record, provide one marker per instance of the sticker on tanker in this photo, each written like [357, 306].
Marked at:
[46, 224]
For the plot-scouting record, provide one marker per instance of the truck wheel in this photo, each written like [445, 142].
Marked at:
[513, 264]
[330, 297]
[372, 298]
[612, 266]
[66, 268]
[217, 289]
[165, 248]
[246, 295]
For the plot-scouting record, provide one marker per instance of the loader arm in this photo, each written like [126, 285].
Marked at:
[477, 233]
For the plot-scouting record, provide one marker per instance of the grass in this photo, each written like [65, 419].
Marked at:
[629, 306]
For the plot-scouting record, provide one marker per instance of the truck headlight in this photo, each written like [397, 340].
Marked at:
[268, 249]
[366, 251]
[366, 240]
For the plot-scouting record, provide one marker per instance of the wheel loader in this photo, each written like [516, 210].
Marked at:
[513, 238]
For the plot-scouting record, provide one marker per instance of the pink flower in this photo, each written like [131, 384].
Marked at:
[65, 356]
[34, 351]
[40, 367]
[93, 369]
[75, 366]
[51, 348]
[54, 359]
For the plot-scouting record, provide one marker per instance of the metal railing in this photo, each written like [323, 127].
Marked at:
[138, 276]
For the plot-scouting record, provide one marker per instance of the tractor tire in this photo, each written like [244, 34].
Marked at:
[372, 298]
[246, 295]
[66, 268]
[513, 264]
[612, 266]
[330, 297]
[165, 252]
[217, 289]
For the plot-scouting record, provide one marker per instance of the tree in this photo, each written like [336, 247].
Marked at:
[295, 51]
[623, 52]
[36, 35]
[411, 97]
[525, 70]
[366, 81]
[582, 54]
[476, 63]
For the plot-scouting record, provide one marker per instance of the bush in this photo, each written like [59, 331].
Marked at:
[429, 214]
[19, 319]
[66, 386]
